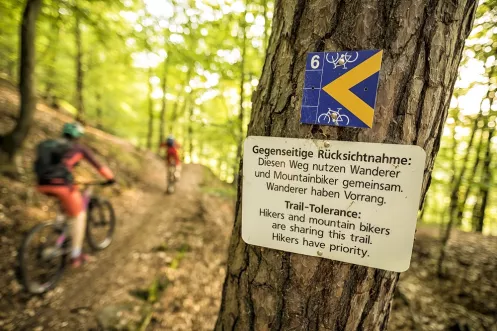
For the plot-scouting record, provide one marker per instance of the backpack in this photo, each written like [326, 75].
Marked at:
[49, 165]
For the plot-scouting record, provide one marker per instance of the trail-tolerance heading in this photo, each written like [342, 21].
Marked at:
[331, 155]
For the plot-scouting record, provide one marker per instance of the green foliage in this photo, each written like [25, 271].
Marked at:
[125, 44]
[474, 112]
[122, 39]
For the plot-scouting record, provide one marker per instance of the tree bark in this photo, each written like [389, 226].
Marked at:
[422, 41]
[241, 114]
[150, 131]
[12, 142]
[162, 124]
[80, 116]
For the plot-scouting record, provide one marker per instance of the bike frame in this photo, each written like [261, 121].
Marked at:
[86, 194]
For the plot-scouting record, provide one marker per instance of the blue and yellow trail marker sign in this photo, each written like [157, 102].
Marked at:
[340, 88]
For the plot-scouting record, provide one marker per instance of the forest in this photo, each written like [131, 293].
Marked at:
[209, 72]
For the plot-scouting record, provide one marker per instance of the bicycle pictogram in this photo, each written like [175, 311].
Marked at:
[334, 117]
[341, 60]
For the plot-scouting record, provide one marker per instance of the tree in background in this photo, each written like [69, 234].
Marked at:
[79, 65]
[273, 290]
[462, 180]
[12, 142]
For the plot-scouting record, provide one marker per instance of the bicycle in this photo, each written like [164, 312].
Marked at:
[333, 116]
[51, 256]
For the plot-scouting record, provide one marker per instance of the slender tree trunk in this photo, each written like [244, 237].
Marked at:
[452, 210]
[50, 96]
[241, 114]
[457, 189]
[80, 116]
[150, 131]
[184, 113]
[479, 174]
[174, 113]
[186, 104]
[456, 203]
[267, 289]
[99, 111]
[485, 183]
[13, 141]
[190, 130]
[162, 124]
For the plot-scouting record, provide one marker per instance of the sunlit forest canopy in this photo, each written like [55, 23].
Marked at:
[144, 69]
[135, 53]
[464, 176]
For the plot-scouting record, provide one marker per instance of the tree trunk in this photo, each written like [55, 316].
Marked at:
[50, 96]
[190, 129]
[162, 124]
[479, 181]
[241, 114]
[12, 142]
[422, 41]
[80, 116]
[457, 190]
[150, 131]
[453, 189]
[174, 113]
[457, 178]
[485, 182]
[99, 111]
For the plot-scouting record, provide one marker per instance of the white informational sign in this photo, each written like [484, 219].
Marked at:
[347, 201]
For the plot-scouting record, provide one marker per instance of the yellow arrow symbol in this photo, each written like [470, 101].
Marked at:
[339, 89]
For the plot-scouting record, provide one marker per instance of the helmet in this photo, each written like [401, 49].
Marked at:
[73, 130]
[170, 141]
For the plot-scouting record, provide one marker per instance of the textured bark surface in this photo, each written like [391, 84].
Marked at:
[241, 114]
[11, 143]
[422, 42]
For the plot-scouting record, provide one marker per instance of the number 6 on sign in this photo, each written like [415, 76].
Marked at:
[315, 62]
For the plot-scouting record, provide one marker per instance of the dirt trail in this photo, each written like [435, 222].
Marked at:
[146, 220]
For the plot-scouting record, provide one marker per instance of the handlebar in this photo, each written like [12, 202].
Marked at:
[116, 189]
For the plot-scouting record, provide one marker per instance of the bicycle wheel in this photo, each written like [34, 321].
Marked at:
[100, 224]
[49, 249]
[343, 118]
[171, 180]
[324, 118]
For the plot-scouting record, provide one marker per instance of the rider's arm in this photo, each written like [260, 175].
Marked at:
[102, 169]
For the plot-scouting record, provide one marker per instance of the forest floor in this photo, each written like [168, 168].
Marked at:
[165, 269]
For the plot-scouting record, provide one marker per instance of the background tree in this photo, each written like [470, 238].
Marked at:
[12, 142]
[269, 289]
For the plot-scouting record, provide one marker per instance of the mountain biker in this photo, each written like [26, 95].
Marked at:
[172, 155]
[56, 159]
